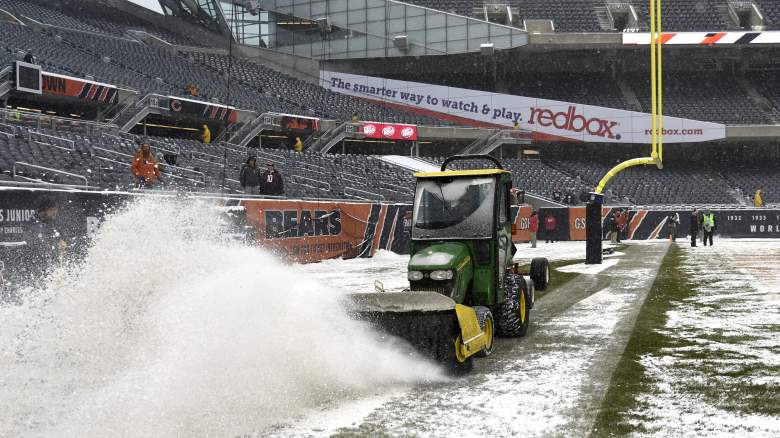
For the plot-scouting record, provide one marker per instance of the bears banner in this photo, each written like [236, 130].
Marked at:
[310, 231]
[545, 119]
[389, 131]
[202, 110]
[61, 85]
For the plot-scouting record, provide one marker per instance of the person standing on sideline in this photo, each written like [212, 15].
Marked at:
[271, 181]
[549, 228]
[144, 167]
[674, 220]
[612, 227]
[708, 224]
[298, 146]
[533, 227]
[250, 177]
[758, 198]
[695, 218]
[206, 134]
[622, 221]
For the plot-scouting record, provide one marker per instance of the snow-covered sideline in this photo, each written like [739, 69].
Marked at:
[729, 334]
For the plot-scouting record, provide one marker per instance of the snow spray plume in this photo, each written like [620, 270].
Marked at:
[169, 330]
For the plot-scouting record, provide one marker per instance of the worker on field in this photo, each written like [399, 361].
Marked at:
[549, 228]
[206, 134]
[708, 225]
[758, 198]
[673, 221]
[533, 227]
[622, 223]
[250, 177]
[144, 167]
[298, 146]
[271, 181]
[695, 222]
[612, 227]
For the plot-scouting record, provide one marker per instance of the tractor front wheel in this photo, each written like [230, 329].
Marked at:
[514, 313]
[540, 272]
[488, 326]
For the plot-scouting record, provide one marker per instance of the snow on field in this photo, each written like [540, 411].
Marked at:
[726, 368]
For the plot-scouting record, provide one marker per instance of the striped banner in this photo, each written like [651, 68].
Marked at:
[705, 38]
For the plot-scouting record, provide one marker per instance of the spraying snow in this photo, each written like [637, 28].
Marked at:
[167, 329]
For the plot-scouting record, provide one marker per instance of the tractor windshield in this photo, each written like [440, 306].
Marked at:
[454, 208]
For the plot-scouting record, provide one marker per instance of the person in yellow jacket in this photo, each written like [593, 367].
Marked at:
[758, 198]
[206, 135]
[298, 146]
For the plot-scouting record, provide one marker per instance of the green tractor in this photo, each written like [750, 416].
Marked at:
[464, 285]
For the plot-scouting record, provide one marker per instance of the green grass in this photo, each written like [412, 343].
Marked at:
[629, 379]
[726, 377]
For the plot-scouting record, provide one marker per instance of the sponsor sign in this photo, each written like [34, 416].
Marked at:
[67, 86]
[202, 110]
[546, 119]
[305, 125]
[389, 131]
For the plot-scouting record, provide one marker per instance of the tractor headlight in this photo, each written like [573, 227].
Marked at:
[415, 276]
[441, 275]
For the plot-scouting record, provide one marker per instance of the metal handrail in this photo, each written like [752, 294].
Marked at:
[304, 178]
[167, 174]
[94, 126]
[375, 195]
[72, 143]
[35, 166]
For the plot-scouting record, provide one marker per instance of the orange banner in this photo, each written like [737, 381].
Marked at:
[521, 232]
[305, 232]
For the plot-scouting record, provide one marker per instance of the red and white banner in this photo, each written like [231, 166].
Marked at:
[547, 120]
[705, 38]
[389, 131]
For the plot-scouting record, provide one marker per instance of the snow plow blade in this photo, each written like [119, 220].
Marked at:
[426, 320]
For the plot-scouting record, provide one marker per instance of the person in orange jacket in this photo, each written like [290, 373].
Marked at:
[144, 167]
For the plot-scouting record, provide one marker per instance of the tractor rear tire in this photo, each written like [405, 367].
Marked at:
[540, 272]
[488, 326]
[514, 313]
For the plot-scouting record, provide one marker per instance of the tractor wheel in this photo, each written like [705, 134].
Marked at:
[514, 313]
[488, 326]
[540, 272]
[531, 292]
[458, 364]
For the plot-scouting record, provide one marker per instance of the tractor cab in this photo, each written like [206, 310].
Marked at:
[462, 233]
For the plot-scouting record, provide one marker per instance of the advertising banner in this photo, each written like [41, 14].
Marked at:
[82, 89]
[202, 110]
[389, 131]
[304, 125]
[546, 119]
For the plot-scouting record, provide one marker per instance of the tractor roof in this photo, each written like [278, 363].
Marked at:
[454, 173]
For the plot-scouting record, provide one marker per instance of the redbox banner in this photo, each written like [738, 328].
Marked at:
[389, 131]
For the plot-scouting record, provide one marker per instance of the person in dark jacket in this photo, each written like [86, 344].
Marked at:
[250, 177]
[612, 227]
[695, 218]
[271, 182]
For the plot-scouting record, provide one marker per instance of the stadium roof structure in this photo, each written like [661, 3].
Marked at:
[386, 28]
